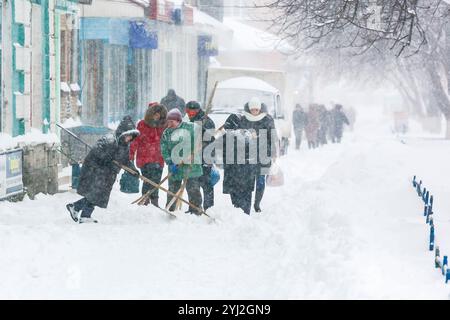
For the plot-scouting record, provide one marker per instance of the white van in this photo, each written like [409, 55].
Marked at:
[232, 95]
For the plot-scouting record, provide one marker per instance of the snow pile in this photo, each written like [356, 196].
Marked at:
[247, 83]
[34, 137]
[248, 38]
[71, 123]
[346, 225]
[6, 142]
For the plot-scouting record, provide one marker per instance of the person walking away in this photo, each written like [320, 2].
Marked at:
[176, 140]
[172, 101]
[259, 127]
[338, 120]
[146, 149]
[99, 173]
[324, 125]
[197, 115]
[299, 119]
[312, 126]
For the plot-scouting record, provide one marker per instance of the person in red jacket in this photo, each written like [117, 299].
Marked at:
[147, 149]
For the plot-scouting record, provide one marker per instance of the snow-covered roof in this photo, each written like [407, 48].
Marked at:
[247, 83]
[213, 26]
[248, 38]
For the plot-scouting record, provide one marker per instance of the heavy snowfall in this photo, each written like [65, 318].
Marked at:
[346, 222]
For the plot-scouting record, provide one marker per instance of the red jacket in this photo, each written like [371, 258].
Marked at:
[147, 146]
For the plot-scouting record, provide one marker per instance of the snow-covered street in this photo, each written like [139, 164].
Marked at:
[346, 225]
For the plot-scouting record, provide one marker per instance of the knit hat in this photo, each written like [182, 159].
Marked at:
[255, 103]
[175, 114]
[193, 105]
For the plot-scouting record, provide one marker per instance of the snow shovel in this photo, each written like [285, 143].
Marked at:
[142, 199]
[148, 181]
[183, 187]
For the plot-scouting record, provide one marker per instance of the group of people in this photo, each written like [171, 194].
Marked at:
[155, 143]
[319, 124]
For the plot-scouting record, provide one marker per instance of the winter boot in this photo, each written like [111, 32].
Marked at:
[146, 202]
[155, 202]
[257, 208]
[73, 213]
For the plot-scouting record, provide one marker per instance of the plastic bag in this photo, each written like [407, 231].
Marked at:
[129, 183]
[215, 176]
[275, 177]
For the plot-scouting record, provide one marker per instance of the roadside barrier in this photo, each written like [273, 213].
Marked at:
[428, 200]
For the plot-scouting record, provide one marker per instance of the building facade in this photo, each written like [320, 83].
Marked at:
[34, 61]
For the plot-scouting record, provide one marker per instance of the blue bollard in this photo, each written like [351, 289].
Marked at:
[431, 201]
[427, 197]
[76, 170]
[444, 265]
[432, 238]
[424, 194]
[414, 182]
[419, 189]
[437, 263]
[425, 211]
[447, 276]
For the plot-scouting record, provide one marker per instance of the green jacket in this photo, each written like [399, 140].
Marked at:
[173, 139]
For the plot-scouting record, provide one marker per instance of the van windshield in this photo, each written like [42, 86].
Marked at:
[227, 101]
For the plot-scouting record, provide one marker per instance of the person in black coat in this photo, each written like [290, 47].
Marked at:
[337, 124]
[324, 125]
[260, 127]
[240, 175]
[99, 173]
[172, 101]
[197, 115]
[299, 120]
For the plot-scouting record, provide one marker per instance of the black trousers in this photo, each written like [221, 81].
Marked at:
[208, 190]
[193, 191]
[298, 138]
[243, 198]
[152, 171]
[85, 207]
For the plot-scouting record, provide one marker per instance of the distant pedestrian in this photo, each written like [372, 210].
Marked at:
[299, 120]
[324, 125]
[312, 127]
[172, 101]
[337, 124]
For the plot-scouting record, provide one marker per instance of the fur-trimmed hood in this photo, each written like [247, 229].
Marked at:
[133, 133]
[151, 111]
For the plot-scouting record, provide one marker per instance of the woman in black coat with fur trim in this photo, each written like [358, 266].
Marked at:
[254, 128]
[99, 173]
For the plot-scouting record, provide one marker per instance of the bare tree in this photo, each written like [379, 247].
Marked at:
[364, 22]
[404, 41]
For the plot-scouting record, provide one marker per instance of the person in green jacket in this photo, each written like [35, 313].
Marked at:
[183, 157]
